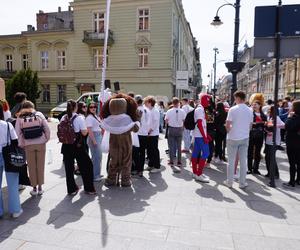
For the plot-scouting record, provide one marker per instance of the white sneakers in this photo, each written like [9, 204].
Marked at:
[217, 160]
[236, 177]
[98, 179]
[34, 192]
[16, 215]
[227, 184]
[155, 170]
[242, 186]
[202, 178]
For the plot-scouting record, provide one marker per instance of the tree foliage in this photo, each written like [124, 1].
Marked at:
[25, 81]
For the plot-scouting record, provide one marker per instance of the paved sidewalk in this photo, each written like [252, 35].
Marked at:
[161, 211]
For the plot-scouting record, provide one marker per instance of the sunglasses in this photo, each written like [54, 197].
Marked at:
[92, 107]
[84, 106]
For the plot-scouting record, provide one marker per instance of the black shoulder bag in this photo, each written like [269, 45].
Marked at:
[14, 156]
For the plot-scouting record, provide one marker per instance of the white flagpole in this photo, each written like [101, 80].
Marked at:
[106, 35]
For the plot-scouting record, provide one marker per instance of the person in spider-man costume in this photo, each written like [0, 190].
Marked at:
[202, 139]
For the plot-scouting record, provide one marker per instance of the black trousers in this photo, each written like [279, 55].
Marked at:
[153, 152]
[293, 153]
[254, 150]
[211, 146]
[140, 154]
[268, 158]
[70, 153]
[282, 135]
[135, 158]
[220, 146]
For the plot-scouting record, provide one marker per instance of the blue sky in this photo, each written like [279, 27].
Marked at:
[16, 14]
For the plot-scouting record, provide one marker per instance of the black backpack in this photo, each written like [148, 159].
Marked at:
[189, 122]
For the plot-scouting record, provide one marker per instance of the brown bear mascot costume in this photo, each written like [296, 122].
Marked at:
[120, 118]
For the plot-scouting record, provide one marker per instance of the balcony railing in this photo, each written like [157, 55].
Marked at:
[96, 38]
[5, 74]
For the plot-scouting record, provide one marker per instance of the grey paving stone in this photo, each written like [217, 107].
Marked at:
[7, 225]
[281, 231]
[158, 213]
[87, 240]
[83, 223]
[37, 216]
[124, 214]
[267, 207]
[225, 203]
[39, 234]
[231, 226]
[174, 220]
[39, 246]
[138, 244]
[293, 219]
[250, 215]
[248, 242]
[138, 230]
[10, 244]
[202, 239]
[202, 211]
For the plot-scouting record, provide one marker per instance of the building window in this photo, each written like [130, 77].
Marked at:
[25, 61]
[61, 93]
[143, 19]
[9, 63]
[143, 57]
[99, 22]
[46, 92]
[98, 58]
[44, 60]
[61, 59]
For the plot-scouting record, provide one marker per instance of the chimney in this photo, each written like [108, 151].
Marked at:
[29, 27]
[70, 9]
[41, 12]
[59, 9]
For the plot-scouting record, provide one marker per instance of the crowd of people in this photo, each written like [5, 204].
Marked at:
[201, 129]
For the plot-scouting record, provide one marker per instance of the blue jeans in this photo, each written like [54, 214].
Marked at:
[12, 180]
[239, 147]
[187, 139]
[175, 147]
[96, 153]
[201, 150]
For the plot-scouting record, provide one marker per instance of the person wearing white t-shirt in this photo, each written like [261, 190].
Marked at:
[175, 118]
[144, 114]
[153, 135]
[77, 151]
[238, 124]
[201, 143]
[12, 179]
[186, 133]
[94, 139]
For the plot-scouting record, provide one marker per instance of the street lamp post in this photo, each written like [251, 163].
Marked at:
[216, 50]
[295, 78]
[233, 67]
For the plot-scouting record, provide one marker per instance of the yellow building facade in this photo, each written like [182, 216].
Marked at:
[148, 42]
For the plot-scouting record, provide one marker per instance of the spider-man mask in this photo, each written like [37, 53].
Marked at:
[205, 100]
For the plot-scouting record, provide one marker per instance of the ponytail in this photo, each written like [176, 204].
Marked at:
[71, 106]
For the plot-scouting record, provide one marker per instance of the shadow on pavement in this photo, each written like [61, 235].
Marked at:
[121, 202]
[8, 224]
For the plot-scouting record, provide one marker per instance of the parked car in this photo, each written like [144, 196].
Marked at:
[93, 96]
[55, 112]
[62, 108]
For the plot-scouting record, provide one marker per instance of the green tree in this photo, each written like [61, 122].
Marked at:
[25, 81]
